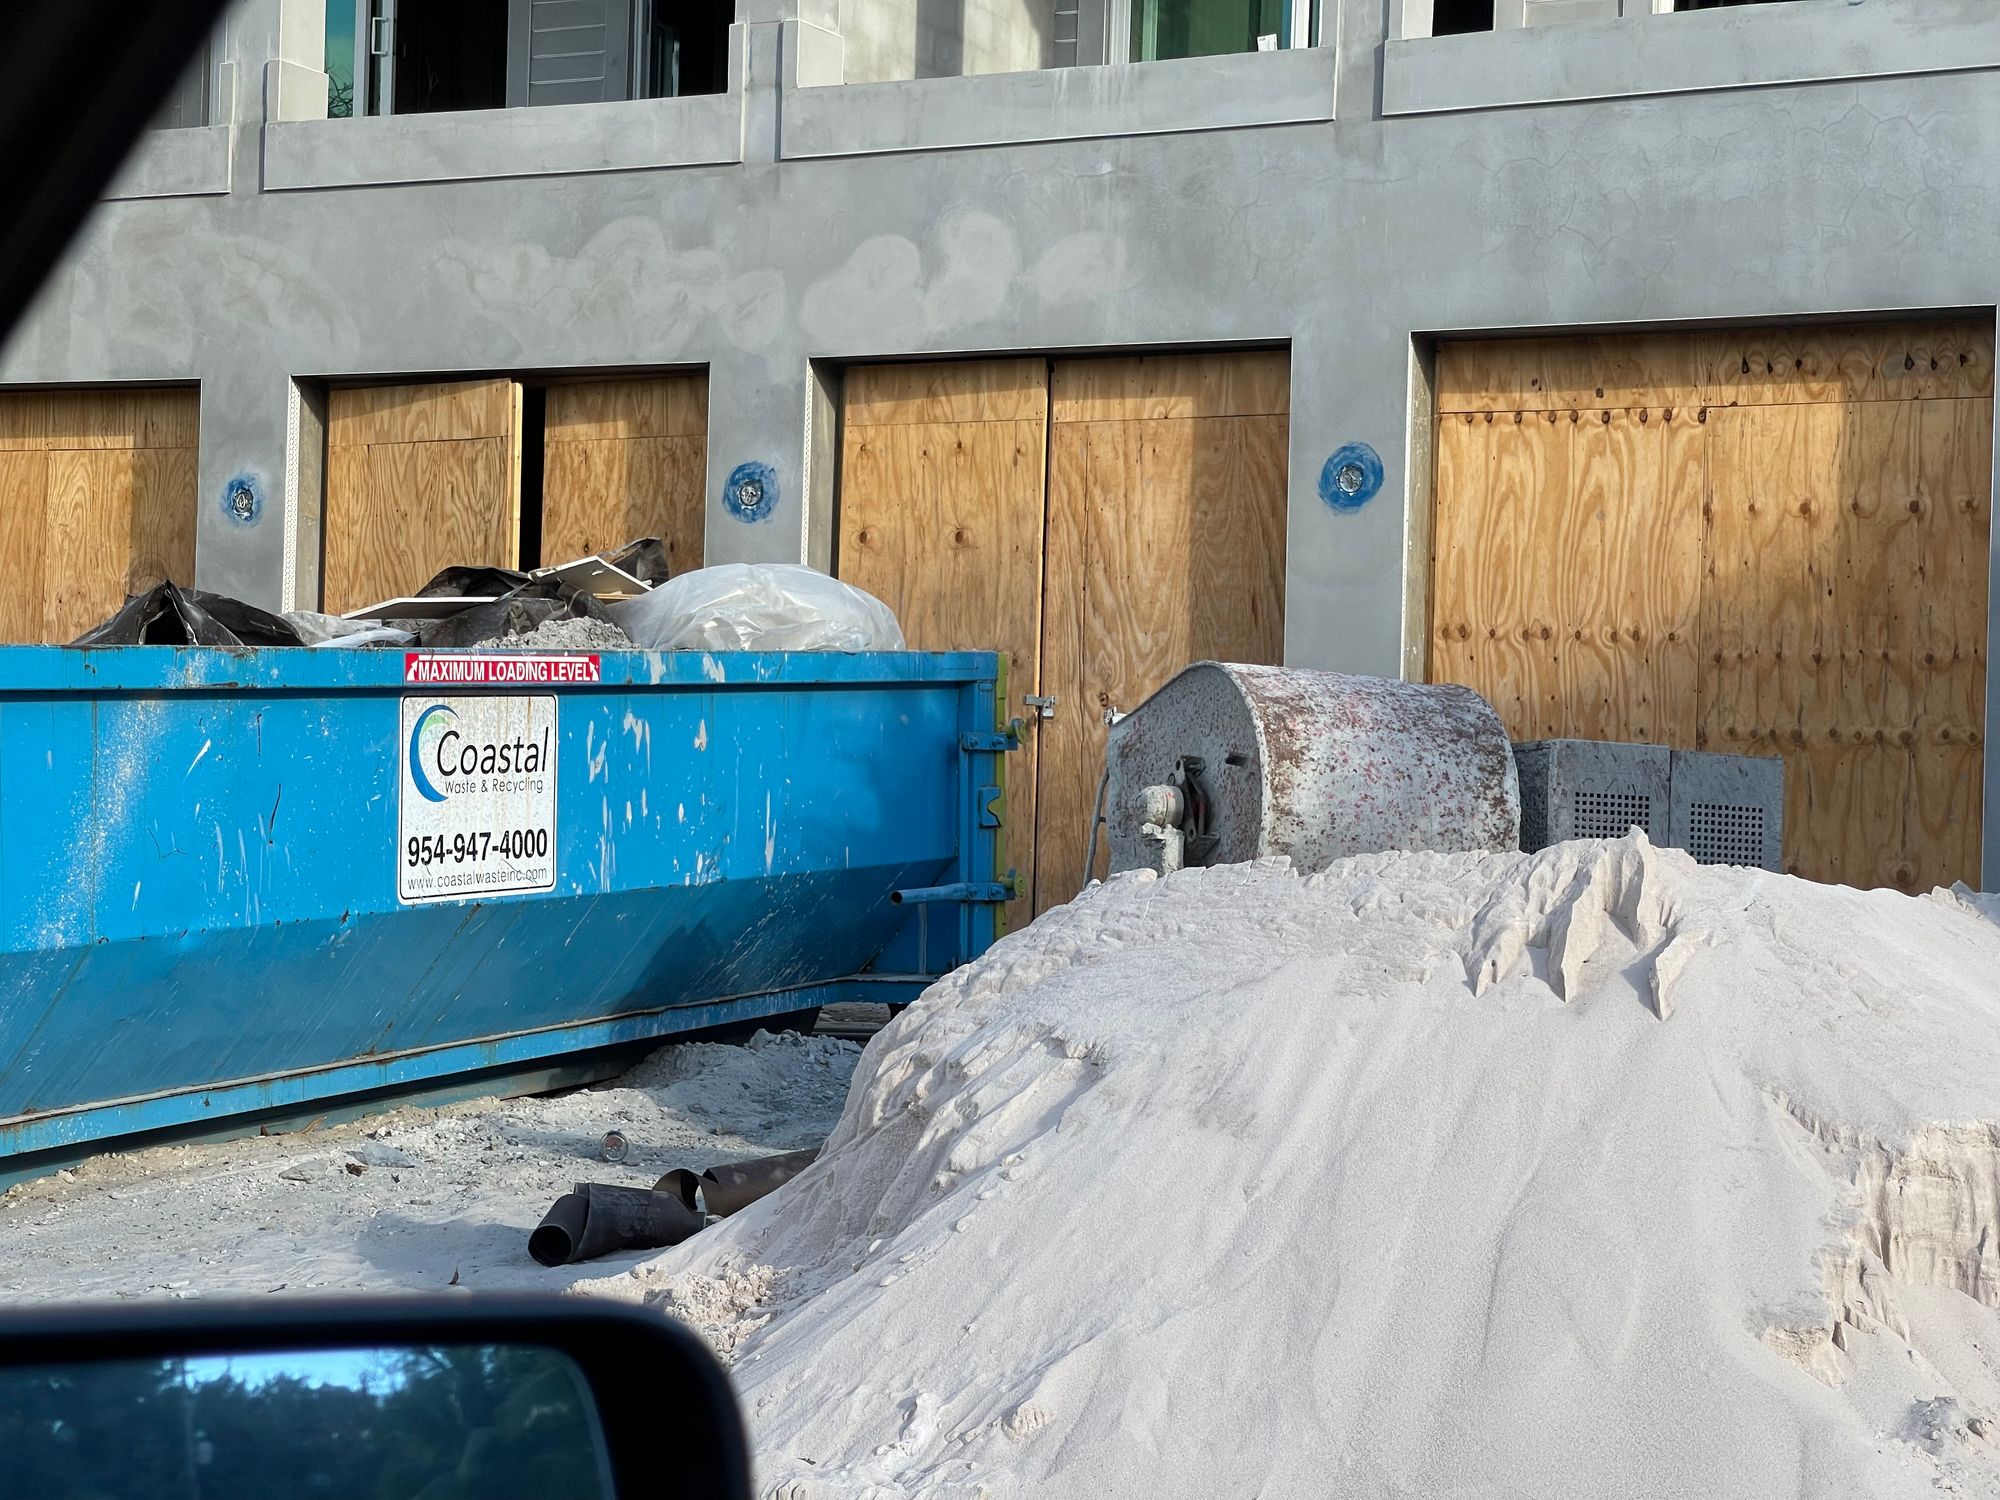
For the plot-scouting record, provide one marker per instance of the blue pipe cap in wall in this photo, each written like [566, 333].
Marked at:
[751, 493]
[1352, 476]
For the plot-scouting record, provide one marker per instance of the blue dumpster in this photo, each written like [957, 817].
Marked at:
[252, 883]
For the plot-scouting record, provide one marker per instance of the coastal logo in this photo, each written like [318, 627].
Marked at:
[427, 722]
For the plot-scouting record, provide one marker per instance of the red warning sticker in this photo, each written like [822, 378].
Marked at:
[501, 669]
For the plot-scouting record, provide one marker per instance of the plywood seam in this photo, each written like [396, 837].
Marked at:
[476, 437]
[1508, 411]
[941, 422]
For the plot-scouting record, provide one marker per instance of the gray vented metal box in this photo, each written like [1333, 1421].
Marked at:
[1589, 789]
[1728, 809]
[1722, 809]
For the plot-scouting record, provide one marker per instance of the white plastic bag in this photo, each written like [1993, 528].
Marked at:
[316, 629]
[758, 607]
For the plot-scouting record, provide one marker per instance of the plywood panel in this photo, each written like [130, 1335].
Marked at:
[24, 479]
[1564, 375]
[656, 407]
[1502, 497]
[1774, 532]
[1166, 545]
[1729, 367]
[985, 390]
[81, 418]
[600, 494]
[1851, 633]
[1859, 683]
[428, 412]
[1159, 387]
[94, 417]
[1789, 366]
[1849, 362]
[164, 483]
[99, 490]
[369, 543]
[398, 513]
[90, 523]
[1067, 786]
[1954, 444]
[1822, 494]
[1628, 577]
[942, 520]
[471, 508]
[419, 478]
[24, 421]
[625, 459]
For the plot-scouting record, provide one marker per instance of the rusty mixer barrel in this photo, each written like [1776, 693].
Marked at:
[1229, 763]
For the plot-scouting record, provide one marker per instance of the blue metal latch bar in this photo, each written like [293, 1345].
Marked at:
[965, 890]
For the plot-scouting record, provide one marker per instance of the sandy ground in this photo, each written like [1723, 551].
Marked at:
[414, 1200]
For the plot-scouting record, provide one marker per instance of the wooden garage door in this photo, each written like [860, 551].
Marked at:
[1102, 521]
[625, 459]
[941, 499]
[1764, 543]
[1166, 545]
[419, 477]
[98, 494]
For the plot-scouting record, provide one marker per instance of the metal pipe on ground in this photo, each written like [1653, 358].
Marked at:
[596, 1218]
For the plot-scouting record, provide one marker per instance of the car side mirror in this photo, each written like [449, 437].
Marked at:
[386, 1399]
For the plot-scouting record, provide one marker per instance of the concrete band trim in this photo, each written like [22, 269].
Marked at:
[556, 140]
[1054, 104]
[187, 163]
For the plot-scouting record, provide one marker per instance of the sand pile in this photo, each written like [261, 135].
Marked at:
[1588, 1173]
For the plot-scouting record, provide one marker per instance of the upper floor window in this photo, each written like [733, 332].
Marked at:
[1153, 30]
[1449, 17]
[187, 101]
[417, 56]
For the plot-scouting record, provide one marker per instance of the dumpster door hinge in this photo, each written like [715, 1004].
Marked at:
[990, 740]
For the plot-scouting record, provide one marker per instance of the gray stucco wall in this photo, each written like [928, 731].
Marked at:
[1339, 230]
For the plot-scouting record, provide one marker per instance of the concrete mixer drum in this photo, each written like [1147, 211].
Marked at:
[1228, 763]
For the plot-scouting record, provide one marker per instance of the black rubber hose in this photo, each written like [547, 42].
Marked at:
[596, 1218]
[735, 1185]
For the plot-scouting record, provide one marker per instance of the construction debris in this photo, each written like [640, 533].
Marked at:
[759, 607]
[487, 606]
[563, 633]
[594, 1219]
[168, 615]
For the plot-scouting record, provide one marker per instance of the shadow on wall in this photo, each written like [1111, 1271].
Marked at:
[948, 38]
[940, 38]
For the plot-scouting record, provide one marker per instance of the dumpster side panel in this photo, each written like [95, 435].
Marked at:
[199, 877]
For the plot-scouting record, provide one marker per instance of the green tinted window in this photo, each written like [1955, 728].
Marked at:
[339, 59]
[1202, 28]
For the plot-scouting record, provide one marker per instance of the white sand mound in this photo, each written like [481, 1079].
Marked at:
[1591, 1173]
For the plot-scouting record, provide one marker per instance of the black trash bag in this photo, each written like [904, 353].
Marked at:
[472, 579]
[735, 1185]
[595, 1218]
[527, 607]
[169, 616]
